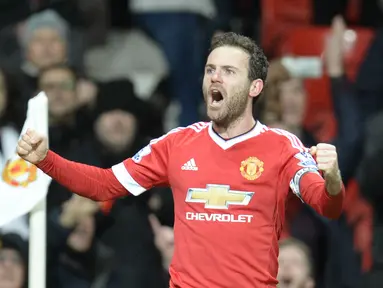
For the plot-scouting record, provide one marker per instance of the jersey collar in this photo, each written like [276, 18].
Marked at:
[226, 144]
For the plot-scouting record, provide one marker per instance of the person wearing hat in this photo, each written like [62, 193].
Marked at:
[44, 42]
[122, 125]
[13, 261]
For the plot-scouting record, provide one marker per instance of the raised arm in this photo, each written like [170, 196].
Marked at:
[349, 140]
[135, 175]
[346, 108]
[88, 181]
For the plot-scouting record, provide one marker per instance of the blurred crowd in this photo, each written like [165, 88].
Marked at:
[118, 73]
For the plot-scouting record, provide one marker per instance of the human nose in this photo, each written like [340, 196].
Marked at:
[216, 76]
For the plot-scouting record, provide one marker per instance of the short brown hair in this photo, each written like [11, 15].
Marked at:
[258, 64]
[293, 242]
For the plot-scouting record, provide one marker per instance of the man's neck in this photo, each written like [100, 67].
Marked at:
[237, 127]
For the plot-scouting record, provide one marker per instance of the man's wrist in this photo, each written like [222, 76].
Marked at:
[333, 183]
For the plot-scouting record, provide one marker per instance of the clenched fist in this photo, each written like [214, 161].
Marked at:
[326, 157]
[327, 161]
[32, 147]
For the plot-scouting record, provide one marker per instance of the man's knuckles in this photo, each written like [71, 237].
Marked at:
[325, 146]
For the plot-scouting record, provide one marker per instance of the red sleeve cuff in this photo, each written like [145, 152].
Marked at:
[47, 163]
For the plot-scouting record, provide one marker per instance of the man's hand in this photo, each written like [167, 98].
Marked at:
[335, 47]
[86, 93]
[75, 209]
[32, 147]
[163, 239]
[326, 158]
[327, 161]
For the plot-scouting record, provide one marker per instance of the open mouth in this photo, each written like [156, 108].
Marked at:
[216, 97]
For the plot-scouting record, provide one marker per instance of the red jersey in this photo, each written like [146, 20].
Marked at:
[230, 198]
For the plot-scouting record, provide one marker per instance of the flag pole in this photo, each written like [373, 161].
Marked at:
[37, 246]
[37, 218]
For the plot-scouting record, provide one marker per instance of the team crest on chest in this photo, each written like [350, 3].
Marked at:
[251, 168]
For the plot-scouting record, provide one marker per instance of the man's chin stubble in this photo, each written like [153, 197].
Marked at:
[219, 120]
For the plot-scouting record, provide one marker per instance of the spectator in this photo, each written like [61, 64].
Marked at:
[77, 258]
[13, 261]
[285, 99]
[295, 265]
[69, 127]
[118, 129]
[44, 43]
[119, 95]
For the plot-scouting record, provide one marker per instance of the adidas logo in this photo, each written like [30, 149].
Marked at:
[190, 165]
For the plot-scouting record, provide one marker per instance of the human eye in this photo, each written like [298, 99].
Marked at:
[229, 71]
[209, 70]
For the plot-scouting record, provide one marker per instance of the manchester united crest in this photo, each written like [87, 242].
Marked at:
[251, 168]
[19, 173]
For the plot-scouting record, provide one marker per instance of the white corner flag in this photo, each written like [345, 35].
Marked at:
[23, 185]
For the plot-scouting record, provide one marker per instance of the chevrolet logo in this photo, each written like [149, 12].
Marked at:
[218, 196]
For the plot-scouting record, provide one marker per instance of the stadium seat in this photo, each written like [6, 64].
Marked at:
[279, 17]
[310, 41]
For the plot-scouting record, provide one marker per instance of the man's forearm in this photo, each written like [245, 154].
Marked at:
[88, 181]
[314, 192]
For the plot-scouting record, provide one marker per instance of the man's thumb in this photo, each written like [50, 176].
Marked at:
[313, 150]
[35, 137]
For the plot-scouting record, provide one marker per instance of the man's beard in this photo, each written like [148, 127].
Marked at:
[233, 108]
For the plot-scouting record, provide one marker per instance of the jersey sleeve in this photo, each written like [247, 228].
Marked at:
[301, 175]
[148, 168]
